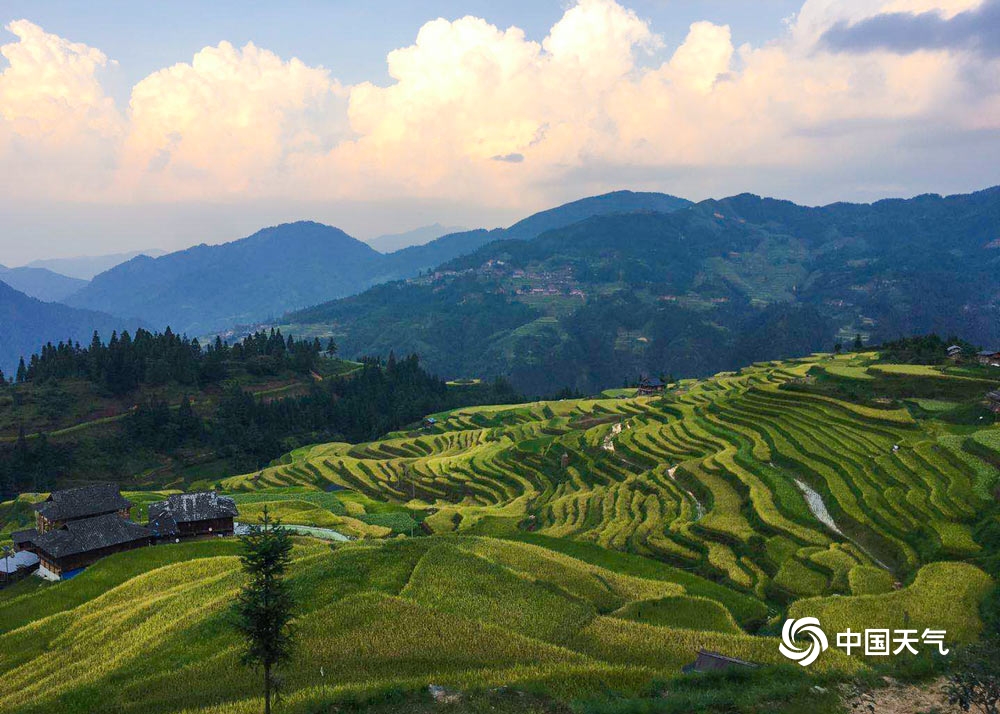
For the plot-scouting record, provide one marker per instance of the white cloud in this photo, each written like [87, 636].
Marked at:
[243, 123]
[58, 129]
[225, 123]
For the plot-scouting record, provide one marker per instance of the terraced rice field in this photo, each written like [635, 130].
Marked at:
[745, 478]
[579, 547]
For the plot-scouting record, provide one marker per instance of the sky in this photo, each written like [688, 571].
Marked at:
[137, 125]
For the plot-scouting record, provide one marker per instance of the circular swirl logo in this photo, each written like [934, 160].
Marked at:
[801, 652]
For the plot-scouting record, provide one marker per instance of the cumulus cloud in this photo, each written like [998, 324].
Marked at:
[976, 30]
[58, 128]
[227, 122]
[490, 117]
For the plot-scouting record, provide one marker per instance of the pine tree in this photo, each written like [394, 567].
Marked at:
[331, 348]
[264, 607]
[22, 371]
[858, 344]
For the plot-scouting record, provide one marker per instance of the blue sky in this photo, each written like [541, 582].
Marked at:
[131, 125]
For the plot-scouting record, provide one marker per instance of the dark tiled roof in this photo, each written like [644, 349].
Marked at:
[162, 525]
[989, 353]
[190, 507]
[82, 502]
[90, 534]
[21, 537]
[995, 396]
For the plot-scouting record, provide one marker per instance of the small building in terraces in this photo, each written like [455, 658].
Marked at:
[186, 515]
[990, 358]
[74, 504]
[650, 385]
[78, 543]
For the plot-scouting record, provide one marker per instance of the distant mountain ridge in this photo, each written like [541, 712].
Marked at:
[283, 268]
[418, 236]
[703, 289]
[85, 267]
[40, 283]
[27, 323]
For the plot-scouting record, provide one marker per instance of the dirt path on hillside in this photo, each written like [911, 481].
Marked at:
[899, 698]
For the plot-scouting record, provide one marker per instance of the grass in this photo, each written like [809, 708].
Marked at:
[146, 630]
[942, 596]
[681, 611]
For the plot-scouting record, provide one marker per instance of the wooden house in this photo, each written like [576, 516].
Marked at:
[81, 542]
[989, 358]
[649, 386]
[186, 515]
[955, 353]
[23, 540]
[74, 504]
[993, 401]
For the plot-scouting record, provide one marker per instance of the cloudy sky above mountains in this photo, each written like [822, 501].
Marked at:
[123, 129]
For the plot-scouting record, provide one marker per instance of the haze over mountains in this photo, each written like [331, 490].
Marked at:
[85, 267]
[591, 293]
[418, 236]
[41, 283]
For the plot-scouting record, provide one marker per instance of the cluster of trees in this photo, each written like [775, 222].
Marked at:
[925, 349]
[382, 396]
[29, 465]
[378, 398]
[126, 362]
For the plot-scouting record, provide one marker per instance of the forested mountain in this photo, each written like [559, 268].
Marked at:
[605, 204]
[295, 265]
[40, 283]
[706, 288]
[206, 287]
[27, 323]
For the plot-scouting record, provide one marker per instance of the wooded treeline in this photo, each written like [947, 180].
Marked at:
[125, 362]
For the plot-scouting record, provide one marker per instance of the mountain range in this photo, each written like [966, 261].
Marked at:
[294, 265]
[705, 288]
[595, 292]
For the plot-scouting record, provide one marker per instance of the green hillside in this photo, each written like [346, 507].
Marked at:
[572, 548]
[717, 475]
[709, 287]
